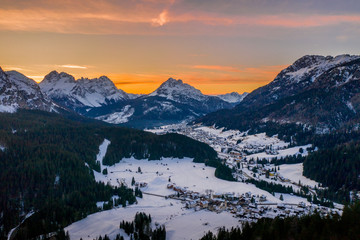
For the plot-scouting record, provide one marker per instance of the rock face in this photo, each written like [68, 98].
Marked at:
[18, 91]
[64, 89]
[323, 92]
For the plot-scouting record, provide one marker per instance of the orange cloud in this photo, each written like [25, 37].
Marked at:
[217, 67]
[105, 17]
[161, 19]
[73, 66]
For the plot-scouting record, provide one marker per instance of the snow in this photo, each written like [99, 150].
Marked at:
[180, 223]
[23, 83]
[316, 65]
[281, 153]
[118, 117]
[102, 152]
[2, 148]
[89, 92]
[350, 106]
[295, 173]
[292, 199]
[183, 172]
[9, 109]
[260, 139]
[176, 90]
[233, 97]
[12, 230]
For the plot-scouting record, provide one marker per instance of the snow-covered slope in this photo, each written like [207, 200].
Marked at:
[19, 91]
[63, 88]
[233, 97]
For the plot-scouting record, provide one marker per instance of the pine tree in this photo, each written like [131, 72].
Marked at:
[132, 181]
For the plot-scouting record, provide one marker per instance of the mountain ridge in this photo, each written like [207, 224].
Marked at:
[322, 92]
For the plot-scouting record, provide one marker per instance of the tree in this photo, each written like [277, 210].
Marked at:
[281, 197]
[105, 171]
[132, 181]
[139, 170]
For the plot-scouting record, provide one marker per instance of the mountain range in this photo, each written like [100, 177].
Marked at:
[315, 91]
[99, 98]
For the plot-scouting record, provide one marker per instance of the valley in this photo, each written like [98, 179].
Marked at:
[178, 191]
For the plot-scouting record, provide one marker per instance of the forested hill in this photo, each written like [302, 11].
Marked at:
[43, 158]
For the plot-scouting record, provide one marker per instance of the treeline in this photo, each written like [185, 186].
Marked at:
[307, 227]
[47, 164]
[145, 145]
[337, 168]
[271, 187]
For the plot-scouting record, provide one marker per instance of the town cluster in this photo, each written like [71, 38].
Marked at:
[247, 206]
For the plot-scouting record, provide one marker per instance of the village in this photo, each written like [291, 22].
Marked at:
[247, 206]
[249, 156]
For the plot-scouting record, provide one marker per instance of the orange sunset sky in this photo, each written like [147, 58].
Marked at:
[218, 46]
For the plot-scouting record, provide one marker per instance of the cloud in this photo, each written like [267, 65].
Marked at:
[142, 17]
[217, 67]
[161, 19]
[73, 66]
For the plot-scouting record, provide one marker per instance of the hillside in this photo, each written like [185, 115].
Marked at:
[47, 164]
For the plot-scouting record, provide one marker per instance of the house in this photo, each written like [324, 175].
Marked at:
[204, 204]
[262, 198]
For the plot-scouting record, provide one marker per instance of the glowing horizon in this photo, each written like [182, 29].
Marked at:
[215, 46]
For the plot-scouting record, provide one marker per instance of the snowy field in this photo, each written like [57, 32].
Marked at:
[294, 172]
[281, 153]
[180, 223]
[183, 172]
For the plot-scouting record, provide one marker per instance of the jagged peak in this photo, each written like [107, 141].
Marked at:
[172, 82]
[314, 60]
[54, 76]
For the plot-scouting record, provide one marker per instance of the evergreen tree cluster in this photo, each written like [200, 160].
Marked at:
[140, 228]
[224, 172]
[337, 168]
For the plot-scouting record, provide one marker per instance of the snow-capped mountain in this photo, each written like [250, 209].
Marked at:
[172, 102]
[318, 91]
[299, 76]
[177, 91]
[18, 91]
[233, 97]
[74, 94]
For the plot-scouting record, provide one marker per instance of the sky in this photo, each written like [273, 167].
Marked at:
[218, 46]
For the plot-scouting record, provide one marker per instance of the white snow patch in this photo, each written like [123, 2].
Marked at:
[295, 173]
[118, 117]
[260, 140]
[281, 153]
[350, 106]
[9, 109]
[2, 148]
[102, 152]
